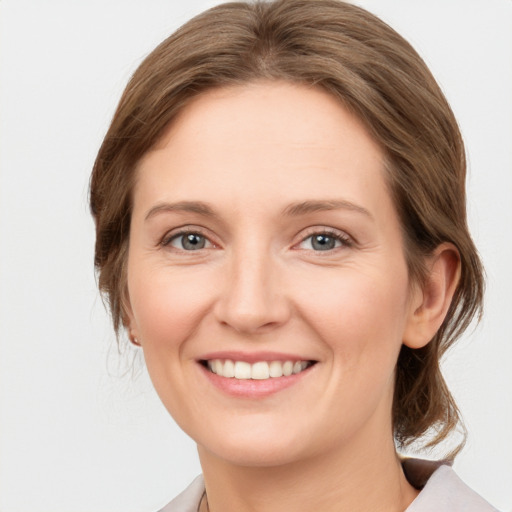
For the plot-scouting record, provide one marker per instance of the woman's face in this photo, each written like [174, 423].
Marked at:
[263, 241]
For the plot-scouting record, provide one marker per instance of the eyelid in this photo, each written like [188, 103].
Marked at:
[176, 232]
[338, 234]
[346, 239]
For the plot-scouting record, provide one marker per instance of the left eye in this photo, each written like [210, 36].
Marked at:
[189, 242]
[322, 242]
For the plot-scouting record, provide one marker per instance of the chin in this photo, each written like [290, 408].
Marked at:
[255, 456]
[254, 447]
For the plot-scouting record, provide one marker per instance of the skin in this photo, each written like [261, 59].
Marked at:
[251, 154]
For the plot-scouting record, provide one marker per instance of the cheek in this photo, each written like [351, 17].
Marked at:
[166, 305]
[359, 315]
[167, 309]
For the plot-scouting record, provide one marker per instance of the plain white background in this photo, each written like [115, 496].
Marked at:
[79, 431]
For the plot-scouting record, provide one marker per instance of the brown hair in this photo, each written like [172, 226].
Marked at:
[376, 74]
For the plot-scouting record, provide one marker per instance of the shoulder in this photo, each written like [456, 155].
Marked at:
[443, 490]
[188, 500]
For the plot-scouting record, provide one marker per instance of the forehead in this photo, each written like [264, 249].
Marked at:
[274, 111]
[264, 138]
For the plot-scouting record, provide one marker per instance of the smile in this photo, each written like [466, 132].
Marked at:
[260, 370]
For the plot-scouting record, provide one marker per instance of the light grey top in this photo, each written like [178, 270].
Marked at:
[443, 491]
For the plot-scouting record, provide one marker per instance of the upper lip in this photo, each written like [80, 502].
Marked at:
[253, 357]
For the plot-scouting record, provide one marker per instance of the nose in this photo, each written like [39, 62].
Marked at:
[252, 299]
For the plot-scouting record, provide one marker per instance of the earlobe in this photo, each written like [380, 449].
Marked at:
[134, 340]
[132, 330]
[431, 302]
[128, 320]
[132, 333]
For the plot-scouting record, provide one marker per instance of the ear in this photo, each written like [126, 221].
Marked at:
[430, 302]
[128, 319]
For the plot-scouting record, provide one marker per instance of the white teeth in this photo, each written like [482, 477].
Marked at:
[261, 370]
[287, 368]
[217, 366]
[242, 370]
[297, 367]
[229, 369]
[276, 369]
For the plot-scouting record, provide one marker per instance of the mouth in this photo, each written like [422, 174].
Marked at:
[259, 370]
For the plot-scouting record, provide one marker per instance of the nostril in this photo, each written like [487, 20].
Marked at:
[251, 300]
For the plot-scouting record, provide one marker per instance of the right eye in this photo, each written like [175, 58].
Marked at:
[188, 241]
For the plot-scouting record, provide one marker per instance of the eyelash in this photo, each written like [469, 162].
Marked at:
[336, 235]
[170, 237]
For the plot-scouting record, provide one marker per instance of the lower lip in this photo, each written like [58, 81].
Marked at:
[253, 388]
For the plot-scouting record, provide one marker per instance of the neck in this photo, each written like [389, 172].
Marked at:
[350, 479]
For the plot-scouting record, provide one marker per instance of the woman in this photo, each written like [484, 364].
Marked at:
[280, 214]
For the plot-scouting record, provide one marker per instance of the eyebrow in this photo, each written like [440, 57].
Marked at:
[182, 206]
[305, 207]
[292, 210]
